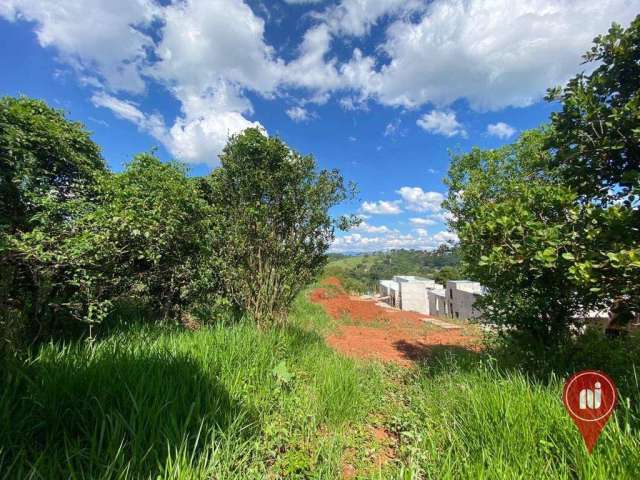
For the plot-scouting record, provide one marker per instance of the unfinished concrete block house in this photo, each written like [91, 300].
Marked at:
[424, 295]
[407, 292]
[390, 292]
[460, 298]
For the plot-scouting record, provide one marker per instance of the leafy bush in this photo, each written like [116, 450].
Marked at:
[78, 241]
[49, 168]
[514, 224]
[149, 239]
[271, 221]
[550, 224]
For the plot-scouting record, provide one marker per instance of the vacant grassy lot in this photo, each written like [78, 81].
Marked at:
[235, 402]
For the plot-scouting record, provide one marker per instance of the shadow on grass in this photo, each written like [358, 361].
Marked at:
[433, 355]
[619, 357]
[302, 337]
[99, 415]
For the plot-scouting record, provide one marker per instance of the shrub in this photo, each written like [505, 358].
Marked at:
[271, 221]
[49, 168]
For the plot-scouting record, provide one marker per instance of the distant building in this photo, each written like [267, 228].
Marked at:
[407, 292]
[460, 298]
[424, 295]
[436, 299]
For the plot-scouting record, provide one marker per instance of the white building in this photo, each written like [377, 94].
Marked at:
[407, 292]
[436, 300]
[460, 297]
[424, 295]
[390, 292]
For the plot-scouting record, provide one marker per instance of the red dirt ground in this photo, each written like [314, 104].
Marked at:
[370, 331]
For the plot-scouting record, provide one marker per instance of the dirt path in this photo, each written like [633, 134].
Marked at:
[367, 330]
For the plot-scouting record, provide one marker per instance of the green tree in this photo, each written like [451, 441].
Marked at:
[272, 221]
[77, 239]
[551, 224]
[48, 172]
[147, 239]
[517, 227]
[596, 144]
[43, 157]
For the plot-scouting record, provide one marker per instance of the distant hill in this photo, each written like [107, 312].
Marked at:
[362, 272]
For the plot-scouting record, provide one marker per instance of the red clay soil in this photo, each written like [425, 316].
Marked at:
[382, 333]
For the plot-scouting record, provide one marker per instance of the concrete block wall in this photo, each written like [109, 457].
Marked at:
[413, 297]
[394, 293]
[436, 302]
[427, 282]
[391, 291]
[424, 295]
[460, 297]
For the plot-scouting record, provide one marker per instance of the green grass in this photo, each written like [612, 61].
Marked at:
[467, 419]
[167, 403]
[236, 402]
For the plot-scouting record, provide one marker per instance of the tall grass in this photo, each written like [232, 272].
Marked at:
[469, 419]
[168, 403]
[231, 401]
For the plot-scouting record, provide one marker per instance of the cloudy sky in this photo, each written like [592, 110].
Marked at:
[381, 89]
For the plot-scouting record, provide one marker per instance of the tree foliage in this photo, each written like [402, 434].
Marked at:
[78, 241]
[516, 226]
[550, 224]
[596, 144]
[49, 171]
[148, 238]
[272, 221]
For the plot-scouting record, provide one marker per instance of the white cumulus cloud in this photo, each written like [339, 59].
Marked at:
[298, 114]
[365, 227]
[211, 54]
[192, 138]
[422, 221]
[445, 237]
[356, 17]
[381, 207]
[501, 130]
[441, 123]
[101, 39]
[494, 53]
[421, 240]
[417, 200]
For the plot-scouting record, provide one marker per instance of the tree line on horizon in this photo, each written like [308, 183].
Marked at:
[440, 264]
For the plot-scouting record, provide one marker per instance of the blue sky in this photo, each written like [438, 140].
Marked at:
[381, 89]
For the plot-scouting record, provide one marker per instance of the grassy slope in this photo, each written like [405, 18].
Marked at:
[234, 402]
[468, 420]
[180, 404]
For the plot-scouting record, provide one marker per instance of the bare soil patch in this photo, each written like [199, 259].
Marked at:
[366, 330]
